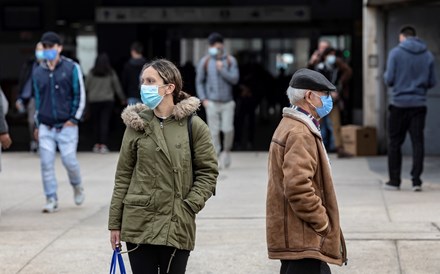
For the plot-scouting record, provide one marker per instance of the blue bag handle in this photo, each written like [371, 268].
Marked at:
[117, 260]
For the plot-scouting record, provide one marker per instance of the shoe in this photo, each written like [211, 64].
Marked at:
[390, 186]
[226, 159]
[50, 206]
[78, 194]
[417, 188]
[104, 149]
[96, 148]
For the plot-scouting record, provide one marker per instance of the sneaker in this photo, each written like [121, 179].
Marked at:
[390, 186]
[226, 159]
[96, 148]
[78, 194]
[104, 149]
[417, 188]
[50, 206]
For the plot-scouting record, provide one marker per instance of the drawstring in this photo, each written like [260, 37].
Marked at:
[122, 252]
[171, 259]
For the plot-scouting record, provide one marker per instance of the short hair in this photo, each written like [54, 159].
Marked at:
[215, 37]
[295, 94]
[327, 51]
[137, 47]
[408, 31]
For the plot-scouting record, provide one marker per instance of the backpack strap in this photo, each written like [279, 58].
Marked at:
[191, 144]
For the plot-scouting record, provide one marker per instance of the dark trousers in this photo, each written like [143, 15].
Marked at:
[304, 266]
[154, 259]
[101, 113]
[401, 121]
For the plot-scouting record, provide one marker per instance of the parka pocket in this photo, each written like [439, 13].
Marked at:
[138, 214]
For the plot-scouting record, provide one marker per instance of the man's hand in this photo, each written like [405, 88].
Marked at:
[69, 124]
[115, 238]
[5, 140]
[36, 134]
[219, 64]
[205, 103]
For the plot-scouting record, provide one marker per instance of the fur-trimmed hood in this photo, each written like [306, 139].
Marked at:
[132, 114]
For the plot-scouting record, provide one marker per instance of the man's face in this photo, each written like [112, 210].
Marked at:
[323, 45]
[401, 38]
[219, 46]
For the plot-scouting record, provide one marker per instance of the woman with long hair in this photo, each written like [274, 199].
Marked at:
[167, 170]
[102, 84]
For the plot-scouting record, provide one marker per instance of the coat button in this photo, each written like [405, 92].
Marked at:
[177, 195]
[174, 219]
[178, 146]
[175, 170]
[157, 148]
[181, 124]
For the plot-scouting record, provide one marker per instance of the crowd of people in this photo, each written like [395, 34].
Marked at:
[170, 158]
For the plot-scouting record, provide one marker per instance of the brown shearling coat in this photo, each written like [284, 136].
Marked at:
[302, 217]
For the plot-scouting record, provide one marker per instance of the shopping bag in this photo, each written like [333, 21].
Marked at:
[117, 260]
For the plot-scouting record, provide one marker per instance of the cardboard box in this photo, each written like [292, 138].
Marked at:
[358, 140]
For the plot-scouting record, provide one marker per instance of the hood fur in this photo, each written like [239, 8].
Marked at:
[183, 109]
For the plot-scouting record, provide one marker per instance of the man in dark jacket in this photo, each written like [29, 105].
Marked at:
[410, 71]
[131, 74]
[60, 101]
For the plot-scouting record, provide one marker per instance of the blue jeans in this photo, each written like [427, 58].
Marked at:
[66, 139]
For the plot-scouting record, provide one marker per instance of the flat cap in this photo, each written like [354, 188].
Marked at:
[310, 79]
[50, 38]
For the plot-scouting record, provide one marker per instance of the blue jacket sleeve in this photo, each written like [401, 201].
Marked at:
[230, 74]
[390, 70]
[79, 95]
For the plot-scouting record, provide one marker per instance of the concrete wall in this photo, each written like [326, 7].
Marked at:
[425, 20]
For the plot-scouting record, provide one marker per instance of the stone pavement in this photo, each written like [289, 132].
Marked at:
[386, 232]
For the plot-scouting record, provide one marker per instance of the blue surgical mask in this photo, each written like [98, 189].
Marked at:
[150, 95]
[39, 54]
[213, 51]
[327, 105]
[330, 60]
[50, 54]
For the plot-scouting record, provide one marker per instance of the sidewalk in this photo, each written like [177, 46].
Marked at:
[386, 232]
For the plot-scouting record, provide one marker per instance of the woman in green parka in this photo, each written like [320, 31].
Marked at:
[160, 184]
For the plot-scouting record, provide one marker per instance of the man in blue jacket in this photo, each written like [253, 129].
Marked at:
[60, 101]
[410, 71]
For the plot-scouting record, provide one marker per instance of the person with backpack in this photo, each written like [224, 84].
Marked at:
[216, 75]
[166, 172]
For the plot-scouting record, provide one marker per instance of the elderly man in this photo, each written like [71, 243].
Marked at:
[302, 218]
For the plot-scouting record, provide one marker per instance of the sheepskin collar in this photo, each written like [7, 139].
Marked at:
[137, 115]
[295, 114]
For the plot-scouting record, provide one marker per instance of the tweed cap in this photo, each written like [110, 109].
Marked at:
[310, 79]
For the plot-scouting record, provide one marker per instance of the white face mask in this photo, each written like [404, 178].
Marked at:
[330, 60]
[213, 51]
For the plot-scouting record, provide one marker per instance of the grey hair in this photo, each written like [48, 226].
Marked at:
[295, 94]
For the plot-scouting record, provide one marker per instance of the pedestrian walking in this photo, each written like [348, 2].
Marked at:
[339, 74]
[5, 139]
[26, 100]
[217, 73]
[131, 73]
[410, 72]
[167, 170]
[302, 217]
[102, 85]
[60, 100]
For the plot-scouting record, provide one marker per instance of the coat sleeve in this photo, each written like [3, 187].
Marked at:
[432, 78]
[205, 167]
[3, 124]
[201, 79]
[124, 171]
[299, 168]
[230, 74]
[117, 86]
[79, 95]
[389, 74]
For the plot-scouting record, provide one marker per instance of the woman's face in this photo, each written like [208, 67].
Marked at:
[151, 77]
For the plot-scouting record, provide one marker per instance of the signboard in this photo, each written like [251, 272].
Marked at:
[202, 14]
